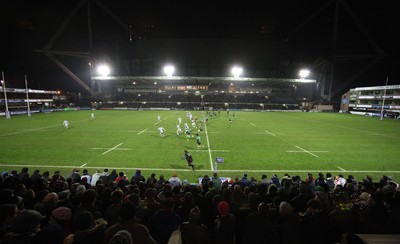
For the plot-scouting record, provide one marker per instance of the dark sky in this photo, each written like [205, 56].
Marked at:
[369, 26]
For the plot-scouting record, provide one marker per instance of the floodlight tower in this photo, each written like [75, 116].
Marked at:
[236, 71]
[3, 84]
[304, 73]
[169, 70]
[103, 70]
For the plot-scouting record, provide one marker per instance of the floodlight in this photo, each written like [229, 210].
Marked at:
[169, 70]
[103, 70]
[236, 71]
[304, 73]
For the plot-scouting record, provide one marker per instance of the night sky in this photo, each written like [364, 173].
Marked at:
[27, 26]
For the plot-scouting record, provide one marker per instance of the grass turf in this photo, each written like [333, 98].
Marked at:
[255, 143]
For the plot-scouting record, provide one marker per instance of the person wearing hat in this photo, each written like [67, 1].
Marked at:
[225, 225]
[62, 217]
[23, 227]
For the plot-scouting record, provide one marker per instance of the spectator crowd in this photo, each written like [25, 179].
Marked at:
[110, 207]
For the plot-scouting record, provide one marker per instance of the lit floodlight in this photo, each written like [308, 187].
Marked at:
[103, 70]
[304, 73]
[169, 70]
[236, 71]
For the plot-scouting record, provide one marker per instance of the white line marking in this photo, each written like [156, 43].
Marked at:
[142, 131]
[381, 134]
[341, 169]
[233, 170]
[106, 148]
[272, 134]
[209, 150]
[159, 121]
[215, 150]
[253, 124]
[109, 150]
[307, 151]
[83, 165]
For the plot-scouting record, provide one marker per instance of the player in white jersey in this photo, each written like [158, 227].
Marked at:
[178, 130]
[180, 120]
[194, 124]
[158, 118]
[161, 130]
[66, 124]
[187, 131]
[92, 116]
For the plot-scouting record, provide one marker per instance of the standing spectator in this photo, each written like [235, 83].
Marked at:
[24, 175]
[104, 177]
[264, 180]
[260, 227]
[275, 180]
[175, 181]
[225, 225]
[289, 224]
[140, 233]
[138, 177]
[95, 177]
[160, 182]
[193, 231]
[113, 176]
[75, 176]
[217, 183]
[244, 181]
[164, 222]
[87, 176]
[330, 182]
[152, 179]
[339, 180]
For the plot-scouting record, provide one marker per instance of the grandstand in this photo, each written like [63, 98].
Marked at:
[194, 93]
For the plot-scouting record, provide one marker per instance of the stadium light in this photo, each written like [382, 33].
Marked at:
[304, 73]
[169, 70]
[3, 84]
[103, 70]
[236, 71]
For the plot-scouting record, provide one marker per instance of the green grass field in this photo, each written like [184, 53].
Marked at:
[255, 143]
